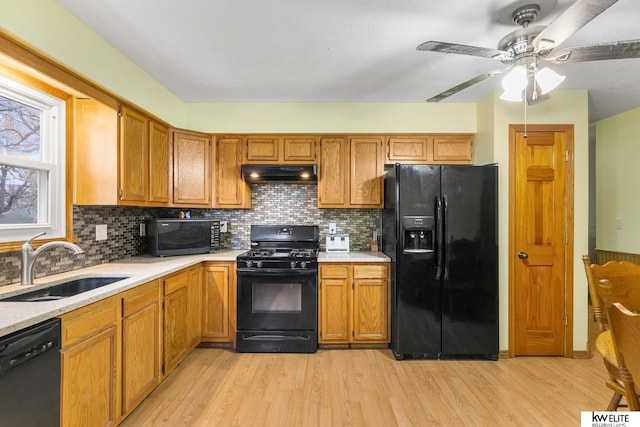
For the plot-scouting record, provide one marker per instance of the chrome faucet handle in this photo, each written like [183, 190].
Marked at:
[28, 242]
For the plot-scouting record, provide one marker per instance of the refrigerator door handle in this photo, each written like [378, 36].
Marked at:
[446, 254]
[439, 237]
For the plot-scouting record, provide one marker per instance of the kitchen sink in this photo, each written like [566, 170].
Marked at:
[65, 289]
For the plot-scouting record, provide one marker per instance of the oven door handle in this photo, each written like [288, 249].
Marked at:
[274, 272]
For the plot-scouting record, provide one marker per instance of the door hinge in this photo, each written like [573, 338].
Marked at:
[566, 321]
[566, 238]
[566, 156]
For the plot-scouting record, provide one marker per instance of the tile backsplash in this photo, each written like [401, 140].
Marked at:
[271, 204]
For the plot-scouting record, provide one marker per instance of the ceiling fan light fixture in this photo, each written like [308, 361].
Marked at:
[547, 80]
[514, 83]
[512, 95]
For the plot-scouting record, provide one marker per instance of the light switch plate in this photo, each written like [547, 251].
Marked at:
[332, 228]
[101, 232]
[223, 226]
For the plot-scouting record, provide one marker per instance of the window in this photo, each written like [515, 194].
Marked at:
[32, 163]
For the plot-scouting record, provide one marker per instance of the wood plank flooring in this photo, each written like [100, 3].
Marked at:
[216, 387]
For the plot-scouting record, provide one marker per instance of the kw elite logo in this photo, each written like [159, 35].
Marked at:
[610, 419]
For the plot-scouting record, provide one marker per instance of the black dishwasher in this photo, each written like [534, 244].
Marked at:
[30, 376]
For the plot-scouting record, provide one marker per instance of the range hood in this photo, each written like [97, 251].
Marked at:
[297, 174]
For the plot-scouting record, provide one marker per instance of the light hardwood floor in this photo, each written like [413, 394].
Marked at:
[215, 387]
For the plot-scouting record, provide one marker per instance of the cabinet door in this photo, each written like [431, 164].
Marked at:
[194, 309]
[176, 325]
[263, 149]
[335, 291]
[159, 179]
[95, 154]
[141, 344]
[191, 169]
[216, 304]
[333, 174]
[366, 172]
[453, 149]
[370, 303]
[409, 149]
[231, 190]
[299, 149]
[133, 146]
[89, 389]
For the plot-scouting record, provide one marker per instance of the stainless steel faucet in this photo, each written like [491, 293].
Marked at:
[29, 256]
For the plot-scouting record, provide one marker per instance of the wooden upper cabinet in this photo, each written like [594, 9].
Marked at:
[333, 175]
[95, 153]
[134, 154]
[430, 149]
[409, 149]
[119, 158]
[279, 149]
[366, 172]
[191, 168]
[299, 149]
[453, 148]
[159, 177]
[231, 189]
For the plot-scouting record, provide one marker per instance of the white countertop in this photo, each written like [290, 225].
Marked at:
[18, 315]
[352, 257]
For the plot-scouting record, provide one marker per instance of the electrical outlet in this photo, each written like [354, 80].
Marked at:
[332, 228]
[619, 223]
[101, 232]
[143, 229]
[223, 226]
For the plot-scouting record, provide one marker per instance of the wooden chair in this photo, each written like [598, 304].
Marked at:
[625, 330]
[623, 275]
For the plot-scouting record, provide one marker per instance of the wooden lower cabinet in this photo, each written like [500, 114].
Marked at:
[354, 303]
[90, 365]
[219, 303]
[141, 344]
[181, 316]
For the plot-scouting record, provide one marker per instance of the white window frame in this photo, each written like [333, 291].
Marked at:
[52, 166]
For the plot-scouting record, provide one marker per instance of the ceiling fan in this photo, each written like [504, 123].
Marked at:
[530, 46]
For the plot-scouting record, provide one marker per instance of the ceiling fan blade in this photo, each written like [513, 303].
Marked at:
[461, 49]
[571, 20]
[597, 52]
[477, 79]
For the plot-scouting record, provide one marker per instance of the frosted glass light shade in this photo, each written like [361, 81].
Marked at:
[512, 95]
[548, 80]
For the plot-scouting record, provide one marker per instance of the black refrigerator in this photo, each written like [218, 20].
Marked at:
[440, 229]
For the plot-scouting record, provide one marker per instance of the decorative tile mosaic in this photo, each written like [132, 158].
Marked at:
[271, 204]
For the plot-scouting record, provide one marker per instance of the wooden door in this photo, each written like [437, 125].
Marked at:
[231, 190]
[159, 167]
[334, 304]
[191, 168]
[370, 307]
[540, 231]
[263, 149]
[333, 175]
[141, 366]
[366, 172]
[133, 147]
[299, 149]
[194, 307]
[89, 381]
[215, 301]
[409, 149]
[176, 324]
[453, 149]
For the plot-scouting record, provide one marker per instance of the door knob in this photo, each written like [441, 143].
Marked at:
[523, 255]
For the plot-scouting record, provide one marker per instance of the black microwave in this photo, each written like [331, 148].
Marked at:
[174, 236]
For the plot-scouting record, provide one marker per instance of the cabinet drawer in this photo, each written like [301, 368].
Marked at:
[136, 299]
[334, 271]
[175, 282]
[88, 320]
[370, 271]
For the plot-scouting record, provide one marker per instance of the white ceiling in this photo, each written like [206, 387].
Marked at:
[345, 50]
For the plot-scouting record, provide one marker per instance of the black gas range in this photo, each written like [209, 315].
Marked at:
[277, 290]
